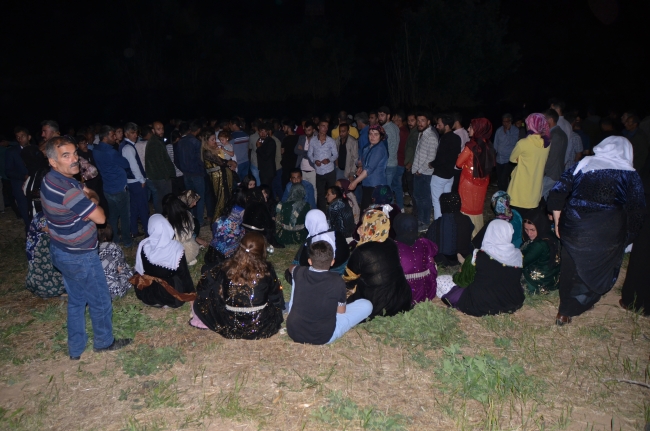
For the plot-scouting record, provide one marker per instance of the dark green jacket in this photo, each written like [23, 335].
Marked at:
[158, 165]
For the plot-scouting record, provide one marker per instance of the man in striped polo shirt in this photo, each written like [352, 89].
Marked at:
[72, 213]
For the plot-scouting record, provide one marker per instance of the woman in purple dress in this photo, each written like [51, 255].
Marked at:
[416, 256]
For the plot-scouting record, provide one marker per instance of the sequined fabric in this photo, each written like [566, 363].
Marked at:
[216, 292]
[418, 258]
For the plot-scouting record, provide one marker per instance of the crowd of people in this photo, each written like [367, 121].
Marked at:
[571, 197]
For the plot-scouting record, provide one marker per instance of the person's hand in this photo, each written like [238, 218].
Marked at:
[408, 166]
[352, 186]
[326, 161]
[359, 170]
[317, 163]
[300, 147]
[90, 194]
[556, 220]
[144, 185]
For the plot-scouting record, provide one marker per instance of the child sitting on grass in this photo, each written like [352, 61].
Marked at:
[116, 269]
[318, 313]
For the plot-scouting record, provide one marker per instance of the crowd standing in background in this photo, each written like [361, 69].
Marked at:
[357, 194]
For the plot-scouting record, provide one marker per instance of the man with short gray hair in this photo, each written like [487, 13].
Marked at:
[49, 129]
[505, 139]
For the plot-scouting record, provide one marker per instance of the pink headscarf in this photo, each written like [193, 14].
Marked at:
[536, 123]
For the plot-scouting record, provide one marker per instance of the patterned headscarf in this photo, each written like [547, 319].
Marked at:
[536, 123]
[296, 198]
[374, 227]
[382, 132]
[189, 198]
[382, 195]
[450, 203]
[501, 205]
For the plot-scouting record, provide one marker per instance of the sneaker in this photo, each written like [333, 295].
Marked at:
[422, 227]
[116, 345]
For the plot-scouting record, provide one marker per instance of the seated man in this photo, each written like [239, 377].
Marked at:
[318, 313]
[296, 178]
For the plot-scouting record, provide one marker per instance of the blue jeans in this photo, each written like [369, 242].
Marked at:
[255, 172]
[85, 283]
[139, 207]
[243, 168]
[276, 185]
[438, 187]
[197, 184]
[354, 313]
[422, 192]
[158, 189]
[394, 181]
[118, 209]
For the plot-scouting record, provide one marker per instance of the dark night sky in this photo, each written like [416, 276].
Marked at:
[56, 56]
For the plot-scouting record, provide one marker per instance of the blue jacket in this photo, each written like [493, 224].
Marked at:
[188, 156]
[112, 167]
[309, 192]
[15, 168]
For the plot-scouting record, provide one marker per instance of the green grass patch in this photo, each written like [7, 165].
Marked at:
[129, 319]
[230, 403]
[537, 300]
[343, 413]
[145, 360]
[503, 342]
[498, 323]
[599, 332]
[152, 395]
[54, 311]
[427, 326]
[14, 329]
[484, 378]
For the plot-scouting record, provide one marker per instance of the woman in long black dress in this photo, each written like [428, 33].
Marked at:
[636, 289]
[374, 271]
[598, 210]
[496, 287]
[319, 230]
[163, 278]
[243, 297]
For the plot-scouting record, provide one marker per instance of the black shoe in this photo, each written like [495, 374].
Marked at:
[75, 358]
[116, 345]
[137, 235]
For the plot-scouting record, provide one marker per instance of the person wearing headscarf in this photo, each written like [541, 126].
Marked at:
[503, 211]
[530, 155]
[219, 175]
[476, 163]
[451, 232]
[182, 221]
[319, 230]
[541, 250]
[257, 217]
[417, 258]
[373, 165]
[598, 209]
[374, 271]
[636, 289]
[496, 286]
[43, 279]
[117, 270]
[344, 184]
[190, 198]
[339, 213]
[241, 298]
[290, 217]
[227, 231]
[163, 277]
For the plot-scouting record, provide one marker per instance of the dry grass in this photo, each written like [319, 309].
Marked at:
[359, 382]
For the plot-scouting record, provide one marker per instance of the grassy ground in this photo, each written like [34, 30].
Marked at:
[430, 369]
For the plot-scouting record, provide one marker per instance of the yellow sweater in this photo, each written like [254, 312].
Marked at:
[525, 187]
[353, 132]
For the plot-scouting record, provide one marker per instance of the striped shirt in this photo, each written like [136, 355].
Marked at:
[65, 206]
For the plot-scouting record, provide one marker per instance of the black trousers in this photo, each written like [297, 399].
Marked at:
[323, 182]
[504, 170]
[408, 181]
[575, 296]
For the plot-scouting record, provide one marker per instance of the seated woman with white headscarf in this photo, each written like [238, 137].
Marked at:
[163, 278]
[496, 286]
[318, 230]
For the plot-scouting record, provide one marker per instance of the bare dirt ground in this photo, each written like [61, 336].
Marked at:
[176, 377]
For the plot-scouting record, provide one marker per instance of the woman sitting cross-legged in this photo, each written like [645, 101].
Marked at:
[242, 298]
[319, 230]
[451, 232]
[290, 217]
[318, 313]
[43, 279]
[417, 258]
[163, 277]
[374, 271]
[227, 231]
[496, 286]
[541, 251]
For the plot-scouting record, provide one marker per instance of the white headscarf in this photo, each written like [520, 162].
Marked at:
[160, 247]
[498, 243]
[316, 222]
[614, 152]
